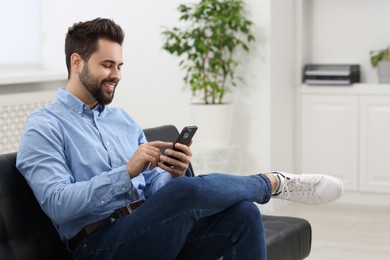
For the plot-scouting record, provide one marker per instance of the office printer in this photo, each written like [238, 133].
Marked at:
[331, 74]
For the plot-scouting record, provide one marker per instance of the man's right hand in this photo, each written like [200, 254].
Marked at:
[146, 155]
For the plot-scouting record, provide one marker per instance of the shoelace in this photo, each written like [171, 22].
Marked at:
[298, 186]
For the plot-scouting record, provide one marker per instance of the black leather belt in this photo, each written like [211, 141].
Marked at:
[88, 229]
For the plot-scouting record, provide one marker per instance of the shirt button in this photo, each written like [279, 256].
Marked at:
[102, 202]
[107, 143]
[123, 188]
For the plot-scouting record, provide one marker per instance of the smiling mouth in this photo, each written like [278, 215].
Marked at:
[110, 86]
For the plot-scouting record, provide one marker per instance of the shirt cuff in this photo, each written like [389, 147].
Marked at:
[120, 180]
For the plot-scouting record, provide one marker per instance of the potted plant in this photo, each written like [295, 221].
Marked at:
[215, 31]
[381, 59]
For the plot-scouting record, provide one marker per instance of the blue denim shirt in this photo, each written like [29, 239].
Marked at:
[74, 159]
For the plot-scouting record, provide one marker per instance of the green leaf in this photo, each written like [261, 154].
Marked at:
[207, 45]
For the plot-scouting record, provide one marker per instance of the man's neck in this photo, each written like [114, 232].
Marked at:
[77, 89]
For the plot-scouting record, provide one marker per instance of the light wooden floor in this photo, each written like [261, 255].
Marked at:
[345, 232]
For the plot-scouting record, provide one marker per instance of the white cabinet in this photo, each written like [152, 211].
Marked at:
[330, 137]
[347, 135]
[374, 148]
[343, 131]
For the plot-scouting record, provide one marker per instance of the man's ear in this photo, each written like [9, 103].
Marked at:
[76, 63]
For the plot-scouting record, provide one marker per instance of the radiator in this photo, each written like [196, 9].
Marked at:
[14, 110]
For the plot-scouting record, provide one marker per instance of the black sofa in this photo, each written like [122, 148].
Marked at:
[26, 233]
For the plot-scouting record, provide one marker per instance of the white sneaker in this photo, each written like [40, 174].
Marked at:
[308, 188]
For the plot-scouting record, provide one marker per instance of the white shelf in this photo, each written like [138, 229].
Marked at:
[24, 76]
[360, 88]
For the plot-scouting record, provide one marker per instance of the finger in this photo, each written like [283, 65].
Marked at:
[184, 149]
[152, 161]
[179, 155]
[150, 155]
[173, 170]
[179, 162]
[168, 160]
[181, 167]
[150, 150]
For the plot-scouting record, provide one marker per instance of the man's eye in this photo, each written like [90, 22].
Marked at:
[107, 66]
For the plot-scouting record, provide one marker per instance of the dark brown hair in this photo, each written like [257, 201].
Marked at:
[82, 38]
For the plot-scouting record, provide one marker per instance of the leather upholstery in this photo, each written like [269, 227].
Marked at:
[288, 238]
[27, 233]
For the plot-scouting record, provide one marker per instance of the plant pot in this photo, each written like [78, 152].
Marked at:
[214, 123]
[384, 71]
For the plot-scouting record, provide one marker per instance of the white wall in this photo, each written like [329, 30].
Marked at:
[345, 32]
[282, 91]
[150, 86]
[17, 16]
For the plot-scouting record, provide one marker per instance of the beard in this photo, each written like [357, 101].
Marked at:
[96, 87]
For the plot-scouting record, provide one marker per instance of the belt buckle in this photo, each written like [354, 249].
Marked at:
[129, 209]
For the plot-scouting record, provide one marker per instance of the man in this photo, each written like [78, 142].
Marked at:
[107, 190]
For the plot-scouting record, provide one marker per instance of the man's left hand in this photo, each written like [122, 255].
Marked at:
[180, 161]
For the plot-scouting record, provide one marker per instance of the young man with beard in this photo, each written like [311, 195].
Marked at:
[107, 190]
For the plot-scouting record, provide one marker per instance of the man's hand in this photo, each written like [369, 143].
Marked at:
[146, 155]
[180, 162]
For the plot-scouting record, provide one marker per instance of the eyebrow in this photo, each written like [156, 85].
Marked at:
[112, 62]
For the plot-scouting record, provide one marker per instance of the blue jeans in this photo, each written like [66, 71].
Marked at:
[203, 217]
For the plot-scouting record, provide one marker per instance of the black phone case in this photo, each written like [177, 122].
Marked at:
[184, 138]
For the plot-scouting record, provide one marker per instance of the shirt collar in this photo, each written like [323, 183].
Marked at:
[74, 103]
[100, 109]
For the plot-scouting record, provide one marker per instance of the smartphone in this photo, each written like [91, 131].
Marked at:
[184, 138]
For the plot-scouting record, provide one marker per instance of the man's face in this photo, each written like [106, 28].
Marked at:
[101, 74]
